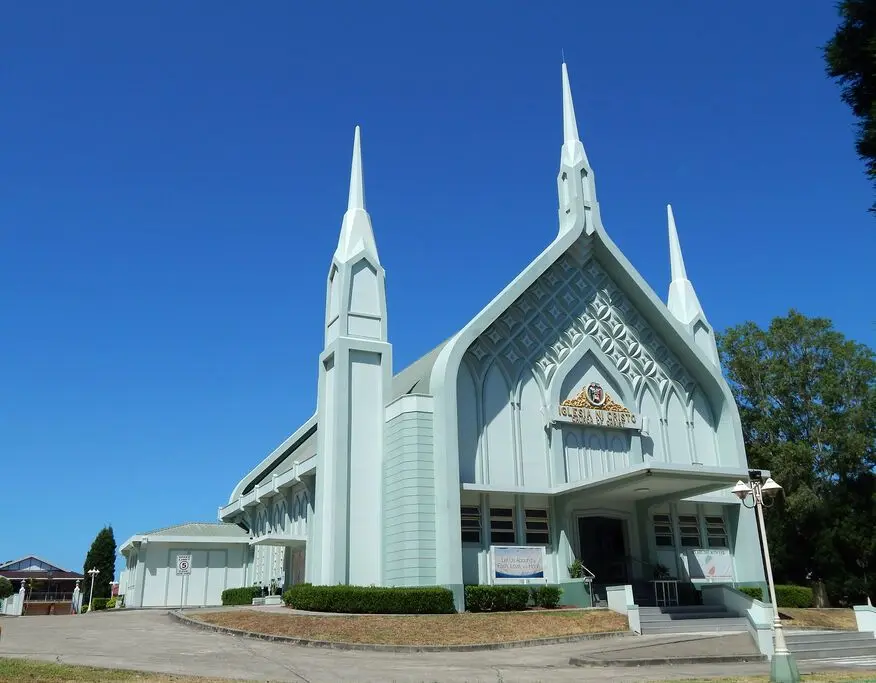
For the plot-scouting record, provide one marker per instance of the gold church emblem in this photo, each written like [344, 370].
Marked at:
[594, 406]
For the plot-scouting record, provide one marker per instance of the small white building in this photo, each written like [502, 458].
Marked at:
[188, 565]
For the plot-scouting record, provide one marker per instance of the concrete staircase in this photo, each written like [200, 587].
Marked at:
[831, 644]
[690, 619]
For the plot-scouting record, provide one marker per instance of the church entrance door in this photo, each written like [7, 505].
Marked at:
[603, 549]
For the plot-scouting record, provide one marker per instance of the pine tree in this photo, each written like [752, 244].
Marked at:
[103, 556]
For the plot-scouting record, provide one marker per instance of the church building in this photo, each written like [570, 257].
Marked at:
[576, 417]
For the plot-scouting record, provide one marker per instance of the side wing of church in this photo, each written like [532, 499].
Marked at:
[576, 417]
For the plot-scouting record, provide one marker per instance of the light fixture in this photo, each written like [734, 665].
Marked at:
[770, 488]
[741, 490]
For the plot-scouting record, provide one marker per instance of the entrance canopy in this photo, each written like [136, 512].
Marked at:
[640, 482]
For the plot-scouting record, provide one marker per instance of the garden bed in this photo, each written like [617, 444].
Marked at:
[814, 617]
[427, 629]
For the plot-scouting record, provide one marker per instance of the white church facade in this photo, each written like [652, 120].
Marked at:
[577, 416]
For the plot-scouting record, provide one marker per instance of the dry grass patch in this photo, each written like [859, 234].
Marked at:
[820, 677]
[819, 618]
[431, 629]
[17, 670]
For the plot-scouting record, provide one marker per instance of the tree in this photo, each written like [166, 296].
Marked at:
[103, 556]
[807, 400]
[6, 588]
[851, 59]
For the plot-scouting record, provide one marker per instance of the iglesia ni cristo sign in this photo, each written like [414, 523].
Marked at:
[593, 406]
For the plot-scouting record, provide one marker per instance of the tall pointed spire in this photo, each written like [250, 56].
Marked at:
[683, 302]
[573, 150]
[676, 262]
[357, 186]
[356, 233]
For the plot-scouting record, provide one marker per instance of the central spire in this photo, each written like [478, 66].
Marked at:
[683, 302]
[573, 150]
[356, 233]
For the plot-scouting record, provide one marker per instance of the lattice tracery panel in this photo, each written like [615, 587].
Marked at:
[573, 300]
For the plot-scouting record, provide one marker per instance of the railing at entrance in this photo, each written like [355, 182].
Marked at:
[49, 596]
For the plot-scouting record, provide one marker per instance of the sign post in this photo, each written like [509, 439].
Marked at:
[183, 565]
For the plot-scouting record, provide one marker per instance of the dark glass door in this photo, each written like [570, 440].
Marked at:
[603, 549]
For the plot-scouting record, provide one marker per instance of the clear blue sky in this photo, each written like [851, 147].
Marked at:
[173, 175]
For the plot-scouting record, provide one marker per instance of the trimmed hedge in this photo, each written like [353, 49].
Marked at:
[240, 596]
[755, 592]
[496, 598]
[370, 599]
[546, 596]
[794, 596]
[99, 603]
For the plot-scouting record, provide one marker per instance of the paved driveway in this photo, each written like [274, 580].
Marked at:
[151, 641]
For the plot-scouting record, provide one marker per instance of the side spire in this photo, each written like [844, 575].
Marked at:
[356, 232]
[683, 302]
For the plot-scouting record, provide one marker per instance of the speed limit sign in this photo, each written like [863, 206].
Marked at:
[183, 564]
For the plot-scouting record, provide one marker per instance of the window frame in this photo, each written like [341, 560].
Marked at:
[684, 538]
[471, 513]
[537, 519]
[662, 521]
[716, 529]
[498, 514]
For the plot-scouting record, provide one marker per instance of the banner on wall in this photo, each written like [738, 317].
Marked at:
[517, 562]
[714, 563]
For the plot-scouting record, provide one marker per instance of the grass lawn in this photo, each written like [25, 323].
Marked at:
[17, 670]
[819, 618]
[822, 677]
[433, 629]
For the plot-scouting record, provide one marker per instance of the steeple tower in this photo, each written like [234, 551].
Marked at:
[683, 302]
[575, 182]
[355, 372]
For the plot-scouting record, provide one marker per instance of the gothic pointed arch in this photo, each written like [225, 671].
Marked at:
[649, 408]
[498, 428]
[587, 363]
[534, 455]
[468, 410]
[703, 426]
[677, 440]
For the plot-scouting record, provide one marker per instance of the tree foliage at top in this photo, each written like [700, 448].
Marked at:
[807, 400]
[851, 59]
[6, 588]
[102, 555]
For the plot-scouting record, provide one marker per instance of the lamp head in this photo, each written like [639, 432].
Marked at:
[770, 488]
[741, 490]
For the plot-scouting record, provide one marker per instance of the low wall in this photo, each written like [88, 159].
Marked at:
[759, 615]
[620, 599]
[576, 593]
[865, 615]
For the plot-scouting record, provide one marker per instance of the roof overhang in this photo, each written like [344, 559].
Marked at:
[140, 539]
[645, 481]
[287, 540]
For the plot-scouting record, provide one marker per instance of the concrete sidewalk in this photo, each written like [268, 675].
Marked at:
[152, 641]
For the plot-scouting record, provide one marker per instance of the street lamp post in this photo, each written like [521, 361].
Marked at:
[93, 573]
[784, 666]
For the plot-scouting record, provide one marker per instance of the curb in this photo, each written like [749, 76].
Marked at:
[373, 647]
[658, 661]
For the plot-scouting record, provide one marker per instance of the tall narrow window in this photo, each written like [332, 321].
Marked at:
[662, 531]
[716, 532]
[471, 524]
[537, 529]
[502, 525]
[689, 530]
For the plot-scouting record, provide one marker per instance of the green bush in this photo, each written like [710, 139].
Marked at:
[83, 609]
[496, 598]
[755, 592]
[99, 603]
[546, 596]
[370, 599]
[6, 588]
[794, 596]
[240, 596]
[111, 603]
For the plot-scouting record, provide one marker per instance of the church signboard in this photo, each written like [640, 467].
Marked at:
[594, 407]
[516, 562]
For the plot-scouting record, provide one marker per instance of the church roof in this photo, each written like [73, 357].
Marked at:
[301, 446]
[31, 566]
[201, 529]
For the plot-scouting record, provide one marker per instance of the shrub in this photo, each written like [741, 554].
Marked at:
[755, 592]
[546, 596]
[496, 598]
[99, 603]
[83, 609]
[240, 596]
[794, 596]
[6, 587]
[111, 603]
[370, 599]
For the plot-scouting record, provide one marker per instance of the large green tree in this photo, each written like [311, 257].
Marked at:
[807, 400]
[851, 59]
[101, 555]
